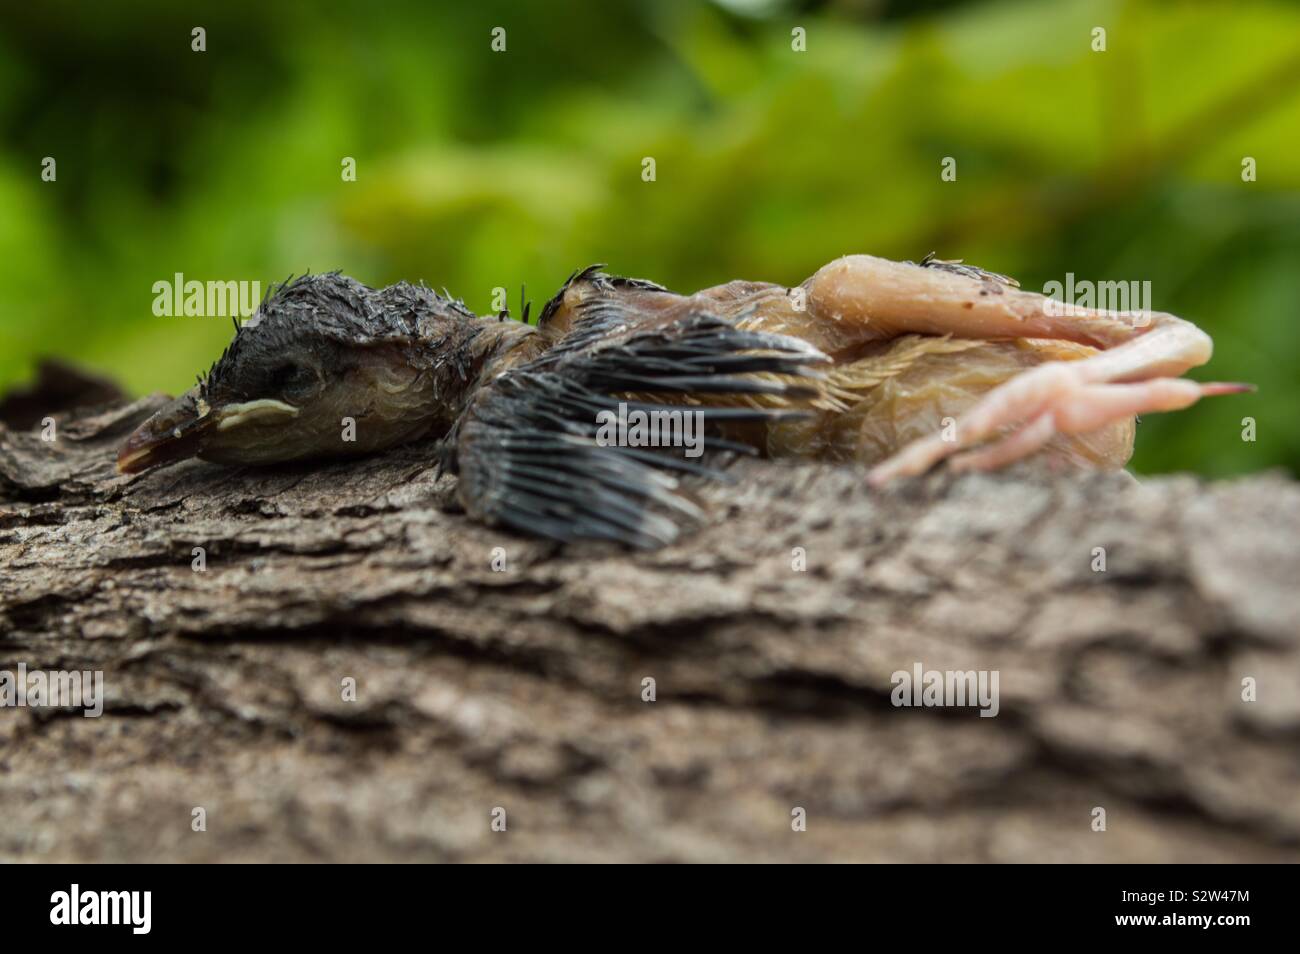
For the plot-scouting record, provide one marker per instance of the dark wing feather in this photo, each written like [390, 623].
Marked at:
[526, 447]
[602, 283]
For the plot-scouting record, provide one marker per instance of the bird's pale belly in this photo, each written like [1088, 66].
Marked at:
[889, 390]
[929, 395]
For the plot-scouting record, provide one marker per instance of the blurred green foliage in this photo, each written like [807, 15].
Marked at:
[479, 169]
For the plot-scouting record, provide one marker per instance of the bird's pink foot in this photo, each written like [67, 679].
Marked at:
[1019, 417]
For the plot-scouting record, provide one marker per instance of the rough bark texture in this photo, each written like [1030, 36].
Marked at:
[522, 689]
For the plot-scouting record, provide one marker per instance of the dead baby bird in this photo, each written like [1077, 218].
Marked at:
[896, 365]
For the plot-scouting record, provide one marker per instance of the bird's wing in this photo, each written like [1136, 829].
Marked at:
[527, 450]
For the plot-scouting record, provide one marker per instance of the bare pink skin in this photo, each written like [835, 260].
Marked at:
[1135, 373]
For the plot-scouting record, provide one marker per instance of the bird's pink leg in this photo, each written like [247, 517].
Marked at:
[1087, 408]
[1133, 375]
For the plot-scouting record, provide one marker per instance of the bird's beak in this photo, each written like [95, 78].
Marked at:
[182, 429]
[174, 433]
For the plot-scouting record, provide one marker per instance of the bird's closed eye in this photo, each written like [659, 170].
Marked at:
[292, 379]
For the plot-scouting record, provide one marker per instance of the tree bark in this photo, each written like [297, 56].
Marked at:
[522, 689]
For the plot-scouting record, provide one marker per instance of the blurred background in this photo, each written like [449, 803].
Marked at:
[477, 169]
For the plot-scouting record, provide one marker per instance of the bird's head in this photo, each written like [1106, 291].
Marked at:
[326, 367]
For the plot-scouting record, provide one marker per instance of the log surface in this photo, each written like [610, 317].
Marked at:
[522, 689]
